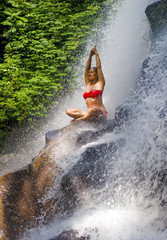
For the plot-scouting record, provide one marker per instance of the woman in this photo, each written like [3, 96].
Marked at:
[95, 83]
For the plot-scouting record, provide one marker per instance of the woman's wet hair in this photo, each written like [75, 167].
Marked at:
[95, 68]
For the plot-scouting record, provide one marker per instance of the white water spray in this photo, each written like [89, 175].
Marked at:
[125, 47]
[124, 210]
[122, 49]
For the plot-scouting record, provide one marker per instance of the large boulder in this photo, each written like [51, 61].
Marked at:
[32, 195]
[157, 16]
[90, 171]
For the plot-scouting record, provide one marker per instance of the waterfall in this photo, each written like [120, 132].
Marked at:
[123, 46]
[131, 203]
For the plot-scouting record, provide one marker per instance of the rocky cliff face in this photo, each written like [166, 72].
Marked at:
[157, 16]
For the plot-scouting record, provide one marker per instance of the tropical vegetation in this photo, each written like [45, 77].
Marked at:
[40, 42]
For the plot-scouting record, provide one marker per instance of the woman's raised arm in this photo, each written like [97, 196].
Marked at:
[99, 68]
[88, 66]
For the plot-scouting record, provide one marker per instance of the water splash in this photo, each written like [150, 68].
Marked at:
[122, 46]
[131, 204]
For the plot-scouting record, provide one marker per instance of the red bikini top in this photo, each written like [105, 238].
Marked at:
[93, 94]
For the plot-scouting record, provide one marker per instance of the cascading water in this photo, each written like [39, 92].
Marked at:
[124, 46]
[130, 205]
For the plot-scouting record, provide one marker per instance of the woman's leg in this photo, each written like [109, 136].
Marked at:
[92, 114]
[75, 113]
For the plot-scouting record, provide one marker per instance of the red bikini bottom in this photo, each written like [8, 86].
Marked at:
[105, 112]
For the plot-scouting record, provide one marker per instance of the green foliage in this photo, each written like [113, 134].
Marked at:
[43, 39]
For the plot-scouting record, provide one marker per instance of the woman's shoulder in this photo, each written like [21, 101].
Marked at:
[99, 85]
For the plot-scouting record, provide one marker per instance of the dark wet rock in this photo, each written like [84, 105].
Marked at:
[91, 171]
[90, 133]
[158, 186]
[123, 114]
[157, 16]
[52, 135]
[90, 136]
[70, 235]
[24, 194]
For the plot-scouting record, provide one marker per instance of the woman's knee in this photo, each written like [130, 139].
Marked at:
[68, 111]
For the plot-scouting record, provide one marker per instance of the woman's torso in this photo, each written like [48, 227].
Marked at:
[94, 102]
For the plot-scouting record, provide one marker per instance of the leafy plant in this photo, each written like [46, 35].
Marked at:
[43, 40]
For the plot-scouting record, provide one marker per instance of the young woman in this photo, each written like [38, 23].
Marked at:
[95, 83]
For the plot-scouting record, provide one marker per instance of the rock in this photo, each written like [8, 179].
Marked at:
[85, 136]
[21, 195]
[32, 195]
[52, 135]
[89, 135]
[89, 171]
[157, 16]
[70, 235]
[123, 114]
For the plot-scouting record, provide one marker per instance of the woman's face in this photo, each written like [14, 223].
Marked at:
[92, 74]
